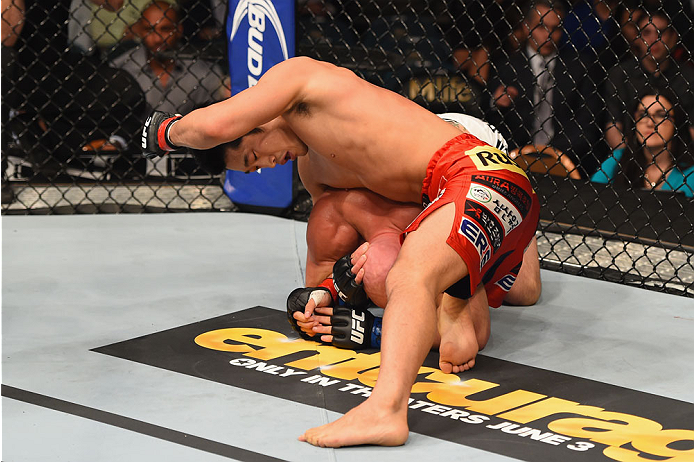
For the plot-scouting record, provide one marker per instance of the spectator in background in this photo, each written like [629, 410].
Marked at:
[203, 20]
[104, 31]
[57, 102]
[543, 95]
[652, 66]
[11, 24]
[592, 27]
[171, 84]
[478, 34]
[657, 153]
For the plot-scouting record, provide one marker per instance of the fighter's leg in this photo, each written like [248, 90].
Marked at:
[425, 267]
[471, 332]
[528, 286]
[381, 253]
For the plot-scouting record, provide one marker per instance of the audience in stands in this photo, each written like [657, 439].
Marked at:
[592, 27]
[657, 153]
[12, 24]
[477, 31]
[546, 95]
[56, 102]
[652, 65]
[104, 31]
[171, 83]
[203, 20]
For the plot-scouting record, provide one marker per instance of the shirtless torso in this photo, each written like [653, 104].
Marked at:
[345, 124]
[358, 135]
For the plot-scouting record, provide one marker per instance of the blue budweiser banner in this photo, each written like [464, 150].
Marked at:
[261, 34]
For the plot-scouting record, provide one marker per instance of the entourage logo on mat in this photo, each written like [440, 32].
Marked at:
[499, 406]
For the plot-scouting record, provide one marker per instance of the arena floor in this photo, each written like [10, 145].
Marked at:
[163, 337]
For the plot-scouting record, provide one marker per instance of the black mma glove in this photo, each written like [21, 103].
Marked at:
[155, 134]
[297, 301]
[355, 329]
[351, 293]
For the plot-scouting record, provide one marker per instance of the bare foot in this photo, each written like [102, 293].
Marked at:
[458, 346]
[365, 424]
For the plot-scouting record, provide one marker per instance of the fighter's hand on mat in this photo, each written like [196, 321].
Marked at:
[320, 317]
[349, 328]
[301, 304]
[155, 140]
[319, 324]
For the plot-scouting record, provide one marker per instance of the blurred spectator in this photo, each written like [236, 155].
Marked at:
[203, 20]
[59, 102]
[479, 31]
[171, 83]
[657, 154]
[12, 23]
[322, 26]
[652, 66]
[543, 95]
[592, 27]
[94, 29]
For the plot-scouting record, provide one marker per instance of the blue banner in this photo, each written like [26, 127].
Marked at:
[261, 34]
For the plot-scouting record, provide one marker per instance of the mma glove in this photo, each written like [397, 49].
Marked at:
[297, 301]
[352, 294]
[344, 293]
[355, 329]
[155, 134]
[352, 328]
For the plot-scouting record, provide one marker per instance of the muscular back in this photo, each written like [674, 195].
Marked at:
[382, 139]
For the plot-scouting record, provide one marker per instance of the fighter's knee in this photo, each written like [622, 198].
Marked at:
[526, 294]
[401, 279]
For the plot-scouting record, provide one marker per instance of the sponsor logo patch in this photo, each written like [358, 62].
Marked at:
[503, 209]
[511, 191]
[477, 237]
[487, 158]
[506, 282]
[486, 219]
[479, 193]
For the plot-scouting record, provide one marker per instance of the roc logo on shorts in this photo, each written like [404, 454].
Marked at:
[488, 158]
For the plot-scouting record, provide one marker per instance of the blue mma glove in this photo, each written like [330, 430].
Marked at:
[355, 329]
[351, 293]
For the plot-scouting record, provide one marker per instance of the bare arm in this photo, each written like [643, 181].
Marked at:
[280, 88]
[613, 135]
[12, 21]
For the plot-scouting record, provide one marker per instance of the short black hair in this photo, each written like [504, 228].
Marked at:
[213, 161]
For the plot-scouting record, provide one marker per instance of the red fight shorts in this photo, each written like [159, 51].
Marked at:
[496, 212]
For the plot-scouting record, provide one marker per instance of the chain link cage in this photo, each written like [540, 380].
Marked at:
[594, 97]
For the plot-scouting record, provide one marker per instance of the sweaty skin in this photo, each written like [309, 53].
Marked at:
[345, 124]
[357, 135]
[341, 220]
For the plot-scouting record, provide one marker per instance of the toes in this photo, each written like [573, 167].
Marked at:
[445, 367]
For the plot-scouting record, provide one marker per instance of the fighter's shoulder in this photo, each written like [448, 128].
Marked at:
[303, 66]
